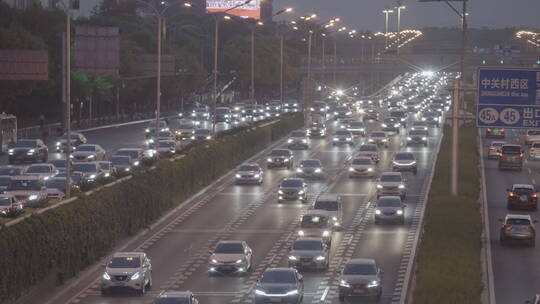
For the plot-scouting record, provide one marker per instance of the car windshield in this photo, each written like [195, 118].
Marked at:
[404, 156]
[314, 221]
[357, 125]
[310, 163]
[229, 248]
[359, 269]
[120, 160]
[4, 181]
[5, 201]
[164, 134]
[277, 276]
[132, 154]
[390, 120]
[430, 114]
[343, 133]
[248, 168]
[84, 167]
[125, 262]
[535, 145]
[291, 183]
[368, 148]
[326, 205]
[105, 166]
[361, 161]
[378, 134]
[511, 149]
[390, 178]
[298, 134]
[388, 202]
[307, 245]
[9, 171]
[166, 144]
[56, 183]
[279, 153]
[418, 133]
[518, 222]
[523, 191]
[162, 124]
[397, 114]
[175, 300]
[26, 144]
[86, 148]
[22, 185]
[202, 132]
[342, 109]
[222, 111]
[419, 123]
[38, 169]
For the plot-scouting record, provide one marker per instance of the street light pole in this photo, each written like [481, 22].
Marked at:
[281, 68]
[252, 91]
[158, 76]
[335, 62]
[386, 12]
[323, 56]
[309, 55]
[399, 8]
[215, 72]
[68, 100]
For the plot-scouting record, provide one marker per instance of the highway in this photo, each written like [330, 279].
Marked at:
[514, 276]
[180, 244]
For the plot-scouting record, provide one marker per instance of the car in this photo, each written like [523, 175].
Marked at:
[418, 137]
[107, 168]
[360, 278]
[317, 130]
[291, 106]
[404, 161]
[517, 228]
[319, 107]
[292, 189]
[201, 135]
[401, 115]
[419, 125]
[362, 167]
[309, 253]
[391, 124]
[162, 135]
[310, 168]
[389, 209]
[56, 187]
[342, 137]
[167, 147]
[76, 140]
[249, 173]
[273, 113]
[279, 285]
[534, 150]
[44, 171]
[391, 184]
[280, 158]
[9, 204]
[331, 205]
[316, 223]
[28, 150]
[184, 131]
[11, 170]
[230, 257]
[136, 155]
[122, 163]
[298, 139]
[342, 112]
[5, 180]
[91, 173]
[150, 130]
[27, 189]
[200, 114]
[344, 123]
[127, 270]
[60, 164]
[222, 114]
[371, 114]
[378, 138]
[532, 136]
[432, 118]
[369, 150]
[176, 297]
[522, 196]
[495, 132]
[357, 128]
[511, 157]
[88, 152]
[274, 105]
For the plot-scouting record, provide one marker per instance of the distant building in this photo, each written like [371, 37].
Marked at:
[84, 8]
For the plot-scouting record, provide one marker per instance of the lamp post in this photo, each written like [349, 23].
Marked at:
[344, 28]
[399, 8]
[281, 29]
[386, 12]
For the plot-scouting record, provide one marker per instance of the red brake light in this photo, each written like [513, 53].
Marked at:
[534, 195]
[511, 194]
[489, 129]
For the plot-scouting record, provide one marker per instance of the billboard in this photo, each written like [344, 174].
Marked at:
[97, 50]
[251, 10]
[24, 65]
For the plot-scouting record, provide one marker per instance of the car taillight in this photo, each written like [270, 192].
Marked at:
[511, 194]
[534, 195]
[507, 228]
[489, 129]
[492, 148]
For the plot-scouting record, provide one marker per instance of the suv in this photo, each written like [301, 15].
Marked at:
[316, 223]
[280, 158]
[522, 196]
[532, 136]
[518, 228]
[317, 130]
[391, 184]
[511, 157]
[127, 270]
[32, 150]
[331, 205]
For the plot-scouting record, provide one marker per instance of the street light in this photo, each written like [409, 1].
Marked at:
[386, 12]
[281, 49]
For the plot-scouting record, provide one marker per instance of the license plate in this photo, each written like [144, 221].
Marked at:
[358, 291]
[275, 300]
[523, 198]
[119, 284]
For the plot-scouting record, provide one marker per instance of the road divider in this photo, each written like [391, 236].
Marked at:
[76, 235]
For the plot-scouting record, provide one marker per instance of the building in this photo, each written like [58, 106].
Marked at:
[81, 8]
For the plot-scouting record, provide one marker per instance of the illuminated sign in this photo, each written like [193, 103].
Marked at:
[235, 7]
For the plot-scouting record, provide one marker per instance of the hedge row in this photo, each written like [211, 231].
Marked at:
[448, 262]
[71, 237]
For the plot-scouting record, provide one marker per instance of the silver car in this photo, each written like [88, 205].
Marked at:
[298, 139]
[27, 189]
[249, 174]
[378, 138]
[418, 137]
[310, 168]
[316, 224]
[362, 167]
[8, 204]
[280, 285]
[369, 150]
[309, 252]
[331, 205]
[230, 257]
[127, 270]
[419, 125]
[360, 278]
[389, 209]
[517, 228]
[357, 128]
[44, 171]
[91, 172]
[88, 152]
[404, 161]
[343, 137]
[391, 184]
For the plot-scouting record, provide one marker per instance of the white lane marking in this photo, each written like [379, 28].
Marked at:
[529, 170]
[218, 230]
[325, 293]
[533, 181]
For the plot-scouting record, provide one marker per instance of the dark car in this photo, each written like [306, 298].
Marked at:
[495, 133]
[28, 150]
[292, 189]
[280, 285]
[360, 278]
[280, 158]
[401, 115]
[522, 196]
[418, 137]
[5, 180]
[511, 157]
[432, 118]
[391, 124]
[298, 139]
[371, 114]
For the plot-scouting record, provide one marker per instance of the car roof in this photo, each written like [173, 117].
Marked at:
[501, 142]
[294, 178]
[128, 254]
[512, 145]
[230, 242]
[280, 269]
[403, 152]
[317, 212]
[310, 159]
[389, 196]
[361, 261]
[176, 294]
[329, 197]
[309, 239]
[391, 173]
[518, 216]
[527, 186]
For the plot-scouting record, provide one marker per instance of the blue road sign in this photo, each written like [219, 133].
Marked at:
[508, 98]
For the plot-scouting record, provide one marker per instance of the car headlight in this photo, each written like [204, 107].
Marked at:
[269, 159]
[32, 197]
[409, 138]
[396, 125]
[193, 114]
[260, 292]
[336, 113]
[369, 169]
[239, 261]
[379, 186]
[292, 292]
[351, 169]
[151, 141]
[106, 276]
[31, 151]
[326, 233]
[292, 258]
[208, 137]
[348, 139]
[298, 170]
[312, 109]
[92, 176]
[401, 186]
[256, 175]
[280, 192]
[318, 170]
[304, 140]
[147, 130]
[58, 143]
[384, 125]
[423, 119]
[286, 160]
[238, 176]
[91, 156]
[344, 283]
[424, 138]
[192, 137]
[384, 140]
[289, 140]
[373, 284]
[301, 232]
[335, 139]
[370, 140]
[334, 218]
[301, 192]
[135, 276]
[349, 113]
[377, 211]
[399, 212]
[11, 151]
[127, 169]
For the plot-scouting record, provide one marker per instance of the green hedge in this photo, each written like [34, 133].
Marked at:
[448, 262]
[67, 239]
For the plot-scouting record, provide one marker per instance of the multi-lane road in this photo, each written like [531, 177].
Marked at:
[179, 245]
[513, 270]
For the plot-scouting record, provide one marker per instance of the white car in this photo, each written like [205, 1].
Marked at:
[88, 152]
[391, 184]
[369, 150]
[44, 171]
[495, 149]
[27, 189]
[532, 136]
[362, 167]
[534, 150]
[379, 138]
[127, 270]
[250, 173]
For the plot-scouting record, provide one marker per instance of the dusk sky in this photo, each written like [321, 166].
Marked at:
[367, 15]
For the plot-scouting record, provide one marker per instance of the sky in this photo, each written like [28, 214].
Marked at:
[367, 15]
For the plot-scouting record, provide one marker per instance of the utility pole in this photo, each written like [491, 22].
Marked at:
[323, 56]
[281, 67]
[68, 100]
[309, 55]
